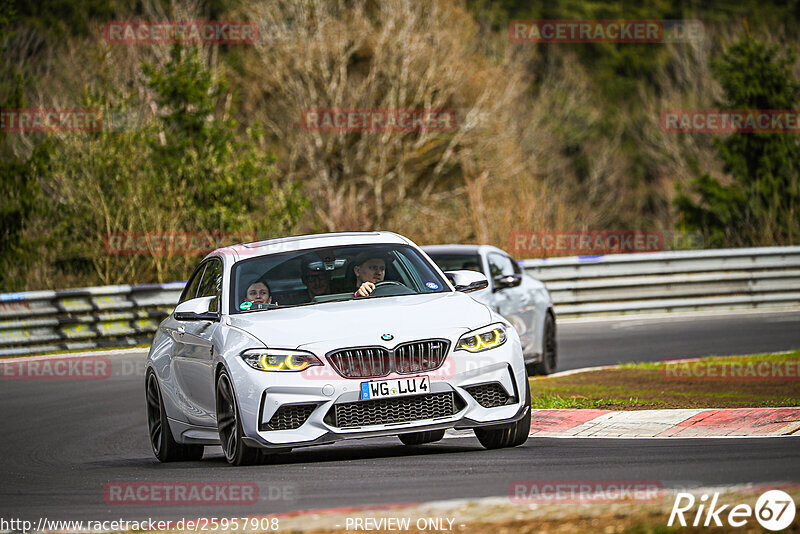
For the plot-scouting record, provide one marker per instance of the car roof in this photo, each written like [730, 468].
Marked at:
[310, 241]
[461, 249]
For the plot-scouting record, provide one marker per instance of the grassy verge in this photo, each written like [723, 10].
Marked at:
[505, 516]
[761, 380]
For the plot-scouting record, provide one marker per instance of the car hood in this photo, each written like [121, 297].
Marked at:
[364, 321]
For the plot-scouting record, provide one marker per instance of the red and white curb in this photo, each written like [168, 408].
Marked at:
[705, 423]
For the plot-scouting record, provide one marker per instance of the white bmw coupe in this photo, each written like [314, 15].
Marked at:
[313, 339]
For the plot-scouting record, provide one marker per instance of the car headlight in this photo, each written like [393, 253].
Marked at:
[482, 339]
[279, 360]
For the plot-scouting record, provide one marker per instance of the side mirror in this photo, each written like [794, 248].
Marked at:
[467, 281]
[508, 280]
[196, 310]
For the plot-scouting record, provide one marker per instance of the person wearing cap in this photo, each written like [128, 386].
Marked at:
[370, 269]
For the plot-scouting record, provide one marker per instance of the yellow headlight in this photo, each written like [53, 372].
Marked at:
[297, 362]
[483, 341]
[279, 360]
[269, 362]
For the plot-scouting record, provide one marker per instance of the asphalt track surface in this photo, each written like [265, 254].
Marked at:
[64, 441]
[689, 335]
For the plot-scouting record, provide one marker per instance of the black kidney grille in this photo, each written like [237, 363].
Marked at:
[489, 395]
[420, 356]
[375, 362]
[362, 362]
[394, 410]
[289, 417]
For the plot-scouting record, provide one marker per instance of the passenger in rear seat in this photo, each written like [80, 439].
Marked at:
[317, 282]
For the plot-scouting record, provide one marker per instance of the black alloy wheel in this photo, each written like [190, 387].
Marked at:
[163, 443]
[513, 435]
[230, 427]
[549, 361]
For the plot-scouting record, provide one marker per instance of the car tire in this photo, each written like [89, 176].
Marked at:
[418, 438]
[511, 435]
[549, 361]
[229, 425]
[162, 442]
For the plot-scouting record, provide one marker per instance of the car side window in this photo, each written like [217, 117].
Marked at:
[500, 265]
[190, 291]
[211, 286]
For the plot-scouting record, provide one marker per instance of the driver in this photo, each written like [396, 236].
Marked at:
[370, 269]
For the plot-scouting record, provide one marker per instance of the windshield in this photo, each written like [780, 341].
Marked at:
[457, 262]
[329, 274]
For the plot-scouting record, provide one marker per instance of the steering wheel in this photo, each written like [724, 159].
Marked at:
[390, 287]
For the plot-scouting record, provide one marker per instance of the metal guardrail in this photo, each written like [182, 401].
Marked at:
[671, 281]
[109, 316]
[43, 321]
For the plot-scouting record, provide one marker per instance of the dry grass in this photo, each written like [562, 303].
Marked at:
[461, 185]
[509, 165]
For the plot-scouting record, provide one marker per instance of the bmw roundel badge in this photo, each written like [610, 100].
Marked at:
[387, 337]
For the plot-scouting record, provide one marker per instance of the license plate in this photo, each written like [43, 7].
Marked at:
[396, 387]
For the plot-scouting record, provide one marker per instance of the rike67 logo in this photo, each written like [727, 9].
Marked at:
[774, 510]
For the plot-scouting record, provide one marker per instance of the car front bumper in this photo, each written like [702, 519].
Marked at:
[470, 390]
